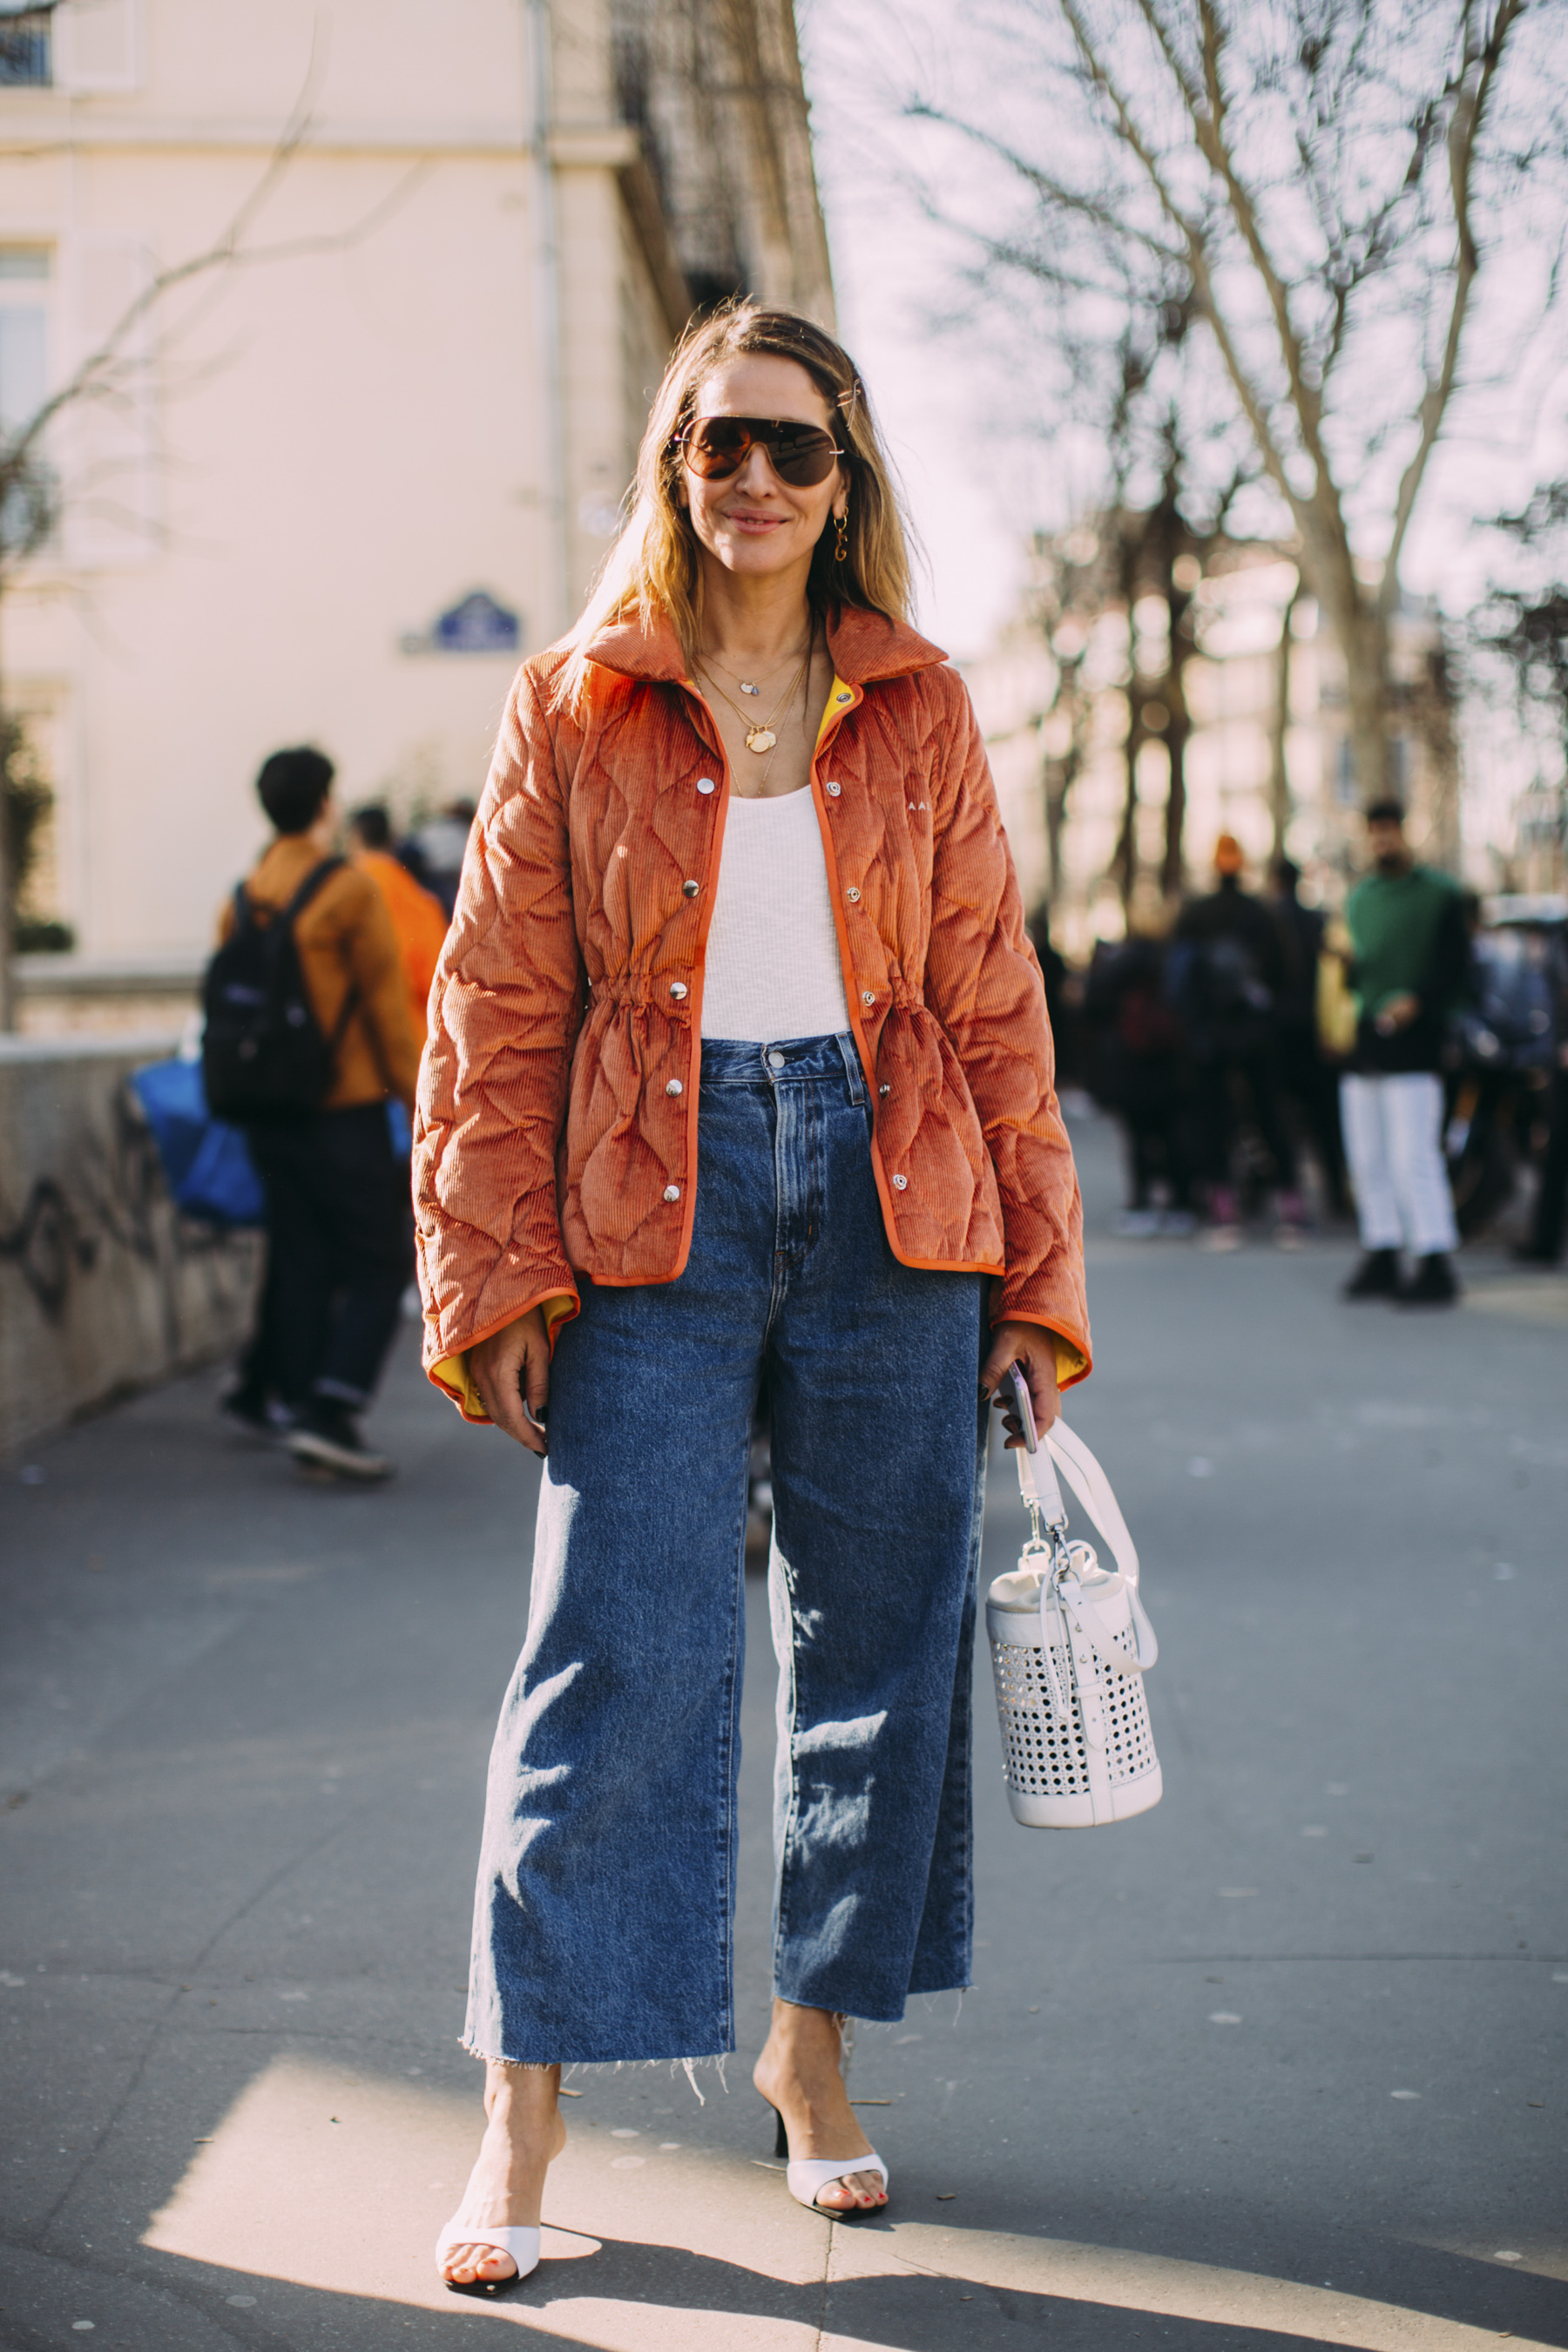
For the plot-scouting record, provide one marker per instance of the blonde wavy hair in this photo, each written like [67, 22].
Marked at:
[654, 570]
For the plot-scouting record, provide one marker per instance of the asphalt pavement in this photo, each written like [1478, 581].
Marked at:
[1278, 2064]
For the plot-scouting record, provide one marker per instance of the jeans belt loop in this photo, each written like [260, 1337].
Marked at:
[852, 1070]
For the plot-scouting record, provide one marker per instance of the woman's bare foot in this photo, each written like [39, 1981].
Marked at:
[523, 2132]
[801, 2072]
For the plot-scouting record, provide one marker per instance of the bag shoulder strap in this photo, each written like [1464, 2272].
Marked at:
[307, 888]
[282, 927]
[292, 912]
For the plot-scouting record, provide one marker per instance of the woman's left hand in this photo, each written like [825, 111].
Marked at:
[1033, 1348]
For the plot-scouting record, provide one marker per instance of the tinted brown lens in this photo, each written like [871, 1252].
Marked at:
[716, 446]
[802, 455]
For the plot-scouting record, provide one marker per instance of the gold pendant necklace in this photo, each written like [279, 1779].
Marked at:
[767, 772]
[747, 686]
[761, 735]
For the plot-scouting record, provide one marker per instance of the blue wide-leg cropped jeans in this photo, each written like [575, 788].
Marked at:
[603, 1919]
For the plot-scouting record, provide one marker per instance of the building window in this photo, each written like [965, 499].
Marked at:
[1345, 772]
[26, 509]
[1399, 765]
[24, 332]
[27, 47]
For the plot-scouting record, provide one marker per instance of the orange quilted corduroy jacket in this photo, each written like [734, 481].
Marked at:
[556, 1131]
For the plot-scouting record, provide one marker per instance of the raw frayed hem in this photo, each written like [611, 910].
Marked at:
[687, 2066]
[927, 2002]
[850, 2020]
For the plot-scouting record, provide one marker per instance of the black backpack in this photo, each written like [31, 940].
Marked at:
[264, 1057]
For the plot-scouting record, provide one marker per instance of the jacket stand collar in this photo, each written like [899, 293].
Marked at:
[864, 647]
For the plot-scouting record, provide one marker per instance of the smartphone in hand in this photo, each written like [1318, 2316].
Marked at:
[1012, 1395]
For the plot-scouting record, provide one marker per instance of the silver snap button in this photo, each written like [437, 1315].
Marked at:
[689, 889]
[672, 1192]
[705, 784]
[884, 1090]
[867, 997]
[674, 1086]
[775, 1061]
[833, 791]
[677, 988]
[901, 1183]
[853, 895]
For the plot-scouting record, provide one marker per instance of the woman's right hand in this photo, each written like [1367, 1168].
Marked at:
[510, 1365]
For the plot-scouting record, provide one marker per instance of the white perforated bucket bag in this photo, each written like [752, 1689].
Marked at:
[1070, 1644]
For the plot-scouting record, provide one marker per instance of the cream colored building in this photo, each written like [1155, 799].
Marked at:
[344, 480]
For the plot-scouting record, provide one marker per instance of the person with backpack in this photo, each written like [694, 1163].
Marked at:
[1226, 975]
[308, 1036]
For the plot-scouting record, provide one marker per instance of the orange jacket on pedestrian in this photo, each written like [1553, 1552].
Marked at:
[420, 920]
[556, 1131]
[345, 941]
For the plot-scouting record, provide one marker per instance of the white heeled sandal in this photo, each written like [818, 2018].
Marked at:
[521, 2242]
[806, 2176]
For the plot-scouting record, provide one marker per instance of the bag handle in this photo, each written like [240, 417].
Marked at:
[1037, 1481]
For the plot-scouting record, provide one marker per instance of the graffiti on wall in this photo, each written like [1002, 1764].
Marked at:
[111, 1195]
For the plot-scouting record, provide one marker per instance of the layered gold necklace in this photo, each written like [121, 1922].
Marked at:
[761, 734]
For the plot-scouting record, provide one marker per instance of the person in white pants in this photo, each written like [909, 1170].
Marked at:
[1411, 961]
[1393, 1131]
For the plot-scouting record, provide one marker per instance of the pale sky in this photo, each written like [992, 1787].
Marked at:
[890, 266]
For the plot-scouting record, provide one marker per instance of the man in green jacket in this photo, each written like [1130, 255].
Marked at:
[1412, 958]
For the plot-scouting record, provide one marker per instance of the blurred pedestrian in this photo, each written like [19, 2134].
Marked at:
[1305, 1077]
[1410, 960]
[1226, 972]
[1544, 1245]
[740, 1068]
[339, 1225]
[1139, 1074]
[433, 852]
[1062, 999]
[418, 918]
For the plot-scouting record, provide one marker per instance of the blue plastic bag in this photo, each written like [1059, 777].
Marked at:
[206, 1161]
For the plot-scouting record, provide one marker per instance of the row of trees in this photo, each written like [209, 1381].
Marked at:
[1278, 263]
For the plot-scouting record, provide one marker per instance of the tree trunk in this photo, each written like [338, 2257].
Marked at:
[1172, 875]
[1124, 861]
[1059, 775]
[1363, 642]
[1056, 779]
[1280, 722]
[7, 907]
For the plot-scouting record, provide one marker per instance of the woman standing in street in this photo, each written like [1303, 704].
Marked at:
[739, 1070]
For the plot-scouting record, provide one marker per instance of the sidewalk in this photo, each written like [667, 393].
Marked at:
[1280, 2065]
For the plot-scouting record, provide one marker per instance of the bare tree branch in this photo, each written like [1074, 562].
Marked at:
[92, 379]
[1479, 74]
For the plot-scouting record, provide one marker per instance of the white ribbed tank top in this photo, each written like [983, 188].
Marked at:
[774, 967]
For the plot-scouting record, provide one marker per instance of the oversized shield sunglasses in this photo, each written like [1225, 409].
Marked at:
[717, 447]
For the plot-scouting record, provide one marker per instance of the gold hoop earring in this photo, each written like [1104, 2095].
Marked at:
[841, 550]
